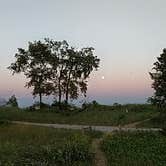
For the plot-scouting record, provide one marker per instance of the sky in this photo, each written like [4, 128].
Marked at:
[127, 36]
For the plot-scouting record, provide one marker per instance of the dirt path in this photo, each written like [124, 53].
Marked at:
[99, 159]
[80, 127]
[134, 125]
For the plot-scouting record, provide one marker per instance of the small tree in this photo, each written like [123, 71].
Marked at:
[12, 101]
[159, 81]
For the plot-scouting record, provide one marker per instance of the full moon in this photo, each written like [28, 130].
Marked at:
[102, 77]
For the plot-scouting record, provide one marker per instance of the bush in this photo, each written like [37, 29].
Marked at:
[4, 122]
[63, 106]
[36, 106]
[76, 149]
[90, 106]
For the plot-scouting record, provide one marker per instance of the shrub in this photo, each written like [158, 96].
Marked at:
[12, 101]
[90, 106]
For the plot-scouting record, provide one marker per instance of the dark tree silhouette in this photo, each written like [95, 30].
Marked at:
[54, 67]
[70, 69]
[34, 63]
[58, 63]
[159, 81]
[12, 101]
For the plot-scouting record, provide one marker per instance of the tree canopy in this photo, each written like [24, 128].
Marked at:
[55, 68]
[159, 81]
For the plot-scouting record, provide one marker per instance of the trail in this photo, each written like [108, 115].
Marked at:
[133, 125]
[80, 127]
[100, 159]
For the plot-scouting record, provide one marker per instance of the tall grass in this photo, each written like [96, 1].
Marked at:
[93, 115]
[140, 148]
[27, 145]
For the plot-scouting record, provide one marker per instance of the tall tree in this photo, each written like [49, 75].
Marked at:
[34, 63]
[70, 69]
[159, 81]
[79, 67]
[54, 67]
[58, 63]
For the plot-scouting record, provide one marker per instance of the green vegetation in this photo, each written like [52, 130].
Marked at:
[156, 122]
[92, 115]
[27, 145]
[138, 148]
[12, 101]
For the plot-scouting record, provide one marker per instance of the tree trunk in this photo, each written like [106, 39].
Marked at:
[60, 93]
[60, 96]
[67, 89]
[40, 102]
[67, 94]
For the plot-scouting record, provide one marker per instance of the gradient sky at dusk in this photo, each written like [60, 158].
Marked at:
[127, 35]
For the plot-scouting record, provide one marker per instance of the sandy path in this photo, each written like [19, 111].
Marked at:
[80, 127]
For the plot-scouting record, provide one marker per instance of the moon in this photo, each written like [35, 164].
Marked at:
[102, 77]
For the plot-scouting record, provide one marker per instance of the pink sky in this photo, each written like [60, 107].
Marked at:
[127, 37]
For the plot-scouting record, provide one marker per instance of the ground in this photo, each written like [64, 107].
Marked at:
[24, 144]
[34, 145]
[100, 158]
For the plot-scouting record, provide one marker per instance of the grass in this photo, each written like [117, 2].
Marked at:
[28, 145]
[139, 148]
[94, 115]
[158, 121]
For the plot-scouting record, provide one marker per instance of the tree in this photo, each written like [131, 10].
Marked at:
[159, 81]
[34, 63]
[80, 64]
[58, 63]
[54, 67]
[70, 69]
[12, 101]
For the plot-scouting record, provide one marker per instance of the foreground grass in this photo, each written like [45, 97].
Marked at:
[97, 115]
[28, 145]
[128, 149]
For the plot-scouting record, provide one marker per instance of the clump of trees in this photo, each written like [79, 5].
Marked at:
[159, 81]
[55, 68]
[12, 101]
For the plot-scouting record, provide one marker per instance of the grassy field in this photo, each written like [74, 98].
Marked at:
[95, 115]
[135, 149]
[27, 145]
[41, 146]
[156, 122]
